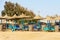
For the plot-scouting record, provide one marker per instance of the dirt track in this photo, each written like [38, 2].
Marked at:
[29, 35]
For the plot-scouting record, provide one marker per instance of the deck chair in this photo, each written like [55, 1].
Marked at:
[10, 26]
[26, 27]
[13, 28]
[52, 28]
[16, 27]
[45, 28]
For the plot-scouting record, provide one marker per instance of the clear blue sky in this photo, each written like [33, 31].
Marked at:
[46, 7]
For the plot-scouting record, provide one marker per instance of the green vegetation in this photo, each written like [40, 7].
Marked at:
[10, 9]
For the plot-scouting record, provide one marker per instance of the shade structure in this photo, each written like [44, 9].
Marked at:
[37, 17]
[1, 17]
[14, 17]
[52, 20]
[57, 18]
[48, 18]
[6, 17]
[23, 16]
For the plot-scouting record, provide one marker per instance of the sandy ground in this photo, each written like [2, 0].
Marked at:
[29, 35]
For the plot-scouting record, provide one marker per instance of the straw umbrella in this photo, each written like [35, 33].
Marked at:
[23, 16]
[52, 28]
[52, 18]
[38, 17]
[38, 22]
[48, 18]
[7, 17]
[1, 18]
[57, 18]
[14, 17]
[14, 22]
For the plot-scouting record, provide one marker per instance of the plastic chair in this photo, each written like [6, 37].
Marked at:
[12, 27]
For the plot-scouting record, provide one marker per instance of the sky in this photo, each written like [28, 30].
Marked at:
[46, 7]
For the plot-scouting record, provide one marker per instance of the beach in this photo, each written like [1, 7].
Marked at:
[29, 35]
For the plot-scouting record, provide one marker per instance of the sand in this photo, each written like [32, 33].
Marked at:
[29, 35]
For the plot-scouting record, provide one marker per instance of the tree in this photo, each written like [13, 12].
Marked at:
[10, 9]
